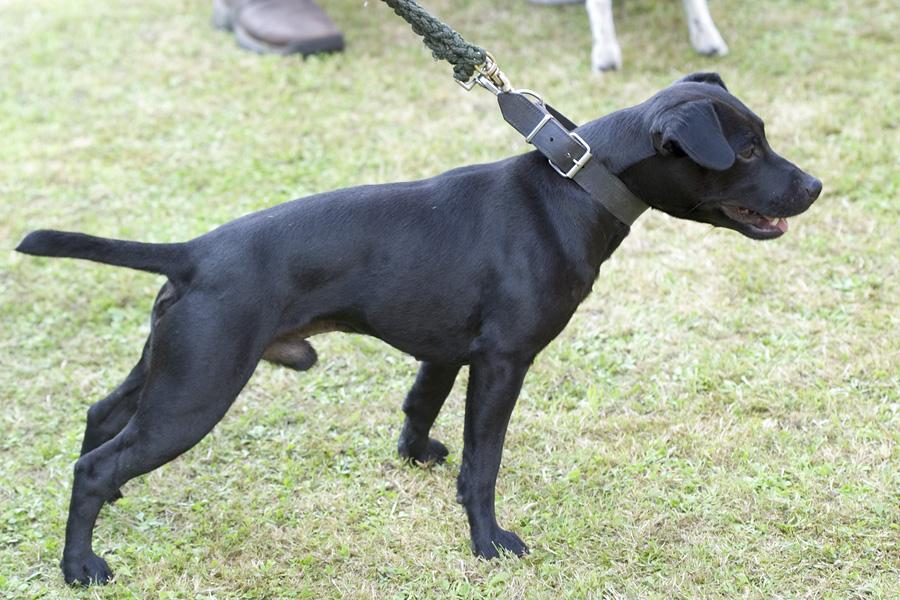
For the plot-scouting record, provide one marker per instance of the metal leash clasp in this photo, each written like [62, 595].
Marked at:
[489, 76]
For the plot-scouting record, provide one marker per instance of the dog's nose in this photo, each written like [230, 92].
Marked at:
[813, 187]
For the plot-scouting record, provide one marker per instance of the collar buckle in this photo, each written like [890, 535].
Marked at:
[579, 162]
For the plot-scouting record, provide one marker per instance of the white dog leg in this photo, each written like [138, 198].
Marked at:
[606, 54]
[705, 38]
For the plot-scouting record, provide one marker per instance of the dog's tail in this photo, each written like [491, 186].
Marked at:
[171, 260]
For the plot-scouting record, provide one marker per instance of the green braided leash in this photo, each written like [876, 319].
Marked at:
[441, 39]
[543, 126]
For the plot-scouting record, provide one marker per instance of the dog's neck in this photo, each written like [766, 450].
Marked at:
[617, 141]
[620, 140]
[586, 232]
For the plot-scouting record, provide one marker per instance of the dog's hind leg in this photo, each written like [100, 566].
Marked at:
[107, 417]
[191, 382]
[422, 405]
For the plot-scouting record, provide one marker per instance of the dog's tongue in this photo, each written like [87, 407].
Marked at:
[782, 224]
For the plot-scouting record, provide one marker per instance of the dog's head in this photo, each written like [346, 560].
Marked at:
[707, 159]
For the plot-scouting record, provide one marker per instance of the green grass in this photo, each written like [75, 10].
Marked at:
[720, 419]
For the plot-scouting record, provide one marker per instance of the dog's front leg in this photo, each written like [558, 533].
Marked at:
[494, 384]
[605, 54]
[422, 405]
[705, 37]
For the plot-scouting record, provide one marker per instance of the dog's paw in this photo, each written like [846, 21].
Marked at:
[606, 56]
[431, 452]
[708, 41]
[86, 570]
[499, 540]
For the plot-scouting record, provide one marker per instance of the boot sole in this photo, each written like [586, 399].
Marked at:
[333, 43]
[223, 18]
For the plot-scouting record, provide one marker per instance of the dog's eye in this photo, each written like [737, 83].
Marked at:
[748, 152]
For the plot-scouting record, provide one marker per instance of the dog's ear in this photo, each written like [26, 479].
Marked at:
[693, 129]
[708, 77]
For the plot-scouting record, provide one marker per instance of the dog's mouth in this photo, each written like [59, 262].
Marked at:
[755, 224]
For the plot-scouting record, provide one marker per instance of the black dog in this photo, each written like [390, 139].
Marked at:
[481, 266]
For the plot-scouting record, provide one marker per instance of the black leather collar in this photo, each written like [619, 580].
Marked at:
[552, 134]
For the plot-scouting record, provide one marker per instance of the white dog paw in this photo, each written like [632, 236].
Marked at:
[606, 57]
[708, 41]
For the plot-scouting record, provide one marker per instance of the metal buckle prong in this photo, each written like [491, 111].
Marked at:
[537, 128]
[578, 163]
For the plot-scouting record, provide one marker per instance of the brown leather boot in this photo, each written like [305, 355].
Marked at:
[278, 26]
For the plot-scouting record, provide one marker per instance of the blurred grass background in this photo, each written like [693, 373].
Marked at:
[720, 419]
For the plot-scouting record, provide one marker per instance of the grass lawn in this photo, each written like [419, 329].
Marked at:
[720, 419]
